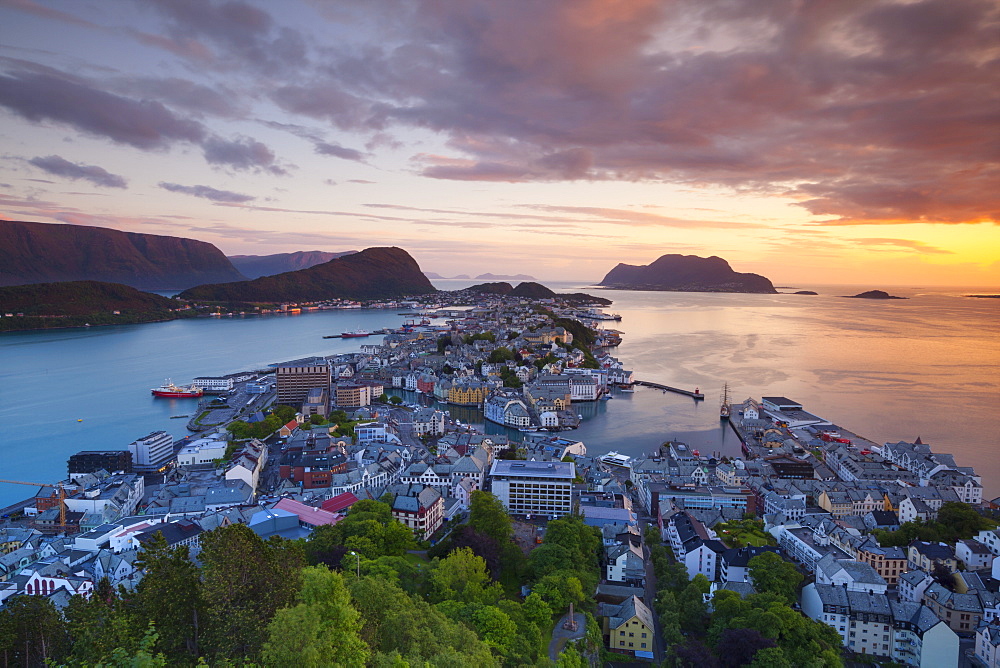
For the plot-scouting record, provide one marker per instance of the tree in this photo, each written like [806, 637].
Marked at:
[462, 576]
[321, 629]
[692, 609]
[487, 515]
[481, 545]
[395, 401]
[693, 654]
[495, 627]
[246, 580]
[770, 657]
[738, 647]
[537, 611]
[169, 594]
[772, 574]
[31, 632]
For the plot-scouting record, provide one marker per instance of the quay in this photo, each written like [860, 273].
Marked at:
[697, 396]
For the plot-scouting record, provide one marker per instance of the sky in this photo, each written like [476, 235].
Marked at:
[811, 141]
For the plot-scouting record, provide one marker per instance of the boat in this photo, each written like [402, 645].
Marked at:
[356, 334]
[725, 409]
[168, 389]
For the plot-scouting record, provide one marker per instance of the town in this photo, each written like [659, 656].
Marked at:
[888, 547]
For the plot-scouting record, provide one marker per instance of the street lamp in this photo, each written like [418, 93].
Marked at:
[359, 562]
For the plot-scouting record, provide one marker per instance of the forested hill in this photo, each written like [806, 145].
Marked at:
[686, 273]
[75, 303]
[44, 253]
[374, 273]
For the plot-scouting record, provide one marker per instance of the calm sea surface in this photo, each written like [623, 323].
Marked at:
[928, 366]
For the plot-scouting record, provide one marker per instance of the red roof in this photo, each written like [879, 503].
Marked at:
[292, 425]
[308, 514]
[339, 502]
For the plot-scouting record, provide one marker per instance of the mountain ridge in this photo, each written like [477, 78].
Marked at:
[255, 266]
[32, 252]
[373, 273]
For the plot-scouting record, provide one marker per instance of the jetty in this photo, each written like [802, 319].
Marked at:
[696, 395]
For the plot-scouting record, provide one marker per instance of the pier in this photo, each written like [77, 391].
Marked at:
[698, 396]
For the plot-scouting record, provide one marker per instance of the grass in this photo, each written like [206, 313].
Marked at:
[744, 532]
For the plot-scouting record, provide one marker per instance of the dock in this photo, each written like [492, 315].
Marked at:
[697, 396]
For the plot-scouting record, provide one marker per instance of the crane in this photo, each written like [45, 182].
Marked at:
[62, 496]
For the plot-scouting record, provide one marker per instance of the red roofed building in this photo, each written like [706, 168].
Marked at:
[308, 514]
[286, 430]
[339, 503]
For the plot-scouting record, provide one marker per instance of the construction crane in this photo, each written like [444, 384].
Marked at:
[62, 496]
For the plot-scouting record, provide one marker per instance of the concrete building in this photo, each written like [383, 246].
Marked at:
[294, 382]
[353, 395]
[534, 488]
[152, 453]
[89, 461]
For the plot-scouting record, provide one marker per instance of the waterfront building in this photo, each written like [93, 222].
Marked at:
[214, 384]
[294, 382]
[89, 461]
[152, 453]
[534, 488]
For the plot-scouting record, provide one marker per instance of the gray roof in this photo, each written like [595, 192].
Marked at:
[507, 467]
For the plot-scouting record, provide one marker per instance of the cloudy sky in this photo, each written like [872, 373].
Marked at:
[812, 141]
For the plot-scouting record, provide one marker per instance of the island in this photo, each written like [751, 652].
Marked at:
[503, 277]
[805, 292]
[686, 273]
[873, 294]
[531, 290]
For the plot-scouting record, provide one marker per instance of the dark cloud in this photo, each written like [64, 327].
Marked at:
[189, 95]
[325, 148]
[206, 192]
[240, 34]
[241, 153]
[861, 111]
[59, 166]
[141, 123]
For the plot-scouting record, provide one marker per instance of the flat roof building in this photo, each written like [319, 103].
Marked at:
[534, 488]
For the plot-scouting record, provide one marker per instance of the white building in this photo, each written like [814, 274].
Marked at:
[214, 383]
[203, 451]
[152, 453]
[534, 488]
[427, 421]
[988, 644]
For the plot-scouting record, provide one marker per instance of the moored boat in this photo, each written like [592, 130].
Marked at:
[168, 389]
[355, 334]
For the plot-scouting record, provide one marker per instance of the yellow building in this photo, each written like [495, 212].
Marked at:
[469, 393]
[628, 627]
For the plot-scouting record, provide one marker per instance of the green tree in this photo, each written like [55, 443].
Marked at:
[169, 594]
[245, 581]
[772, 574]
[32, 632]
[488, 515]
[395, 401]
[495, 628]
[322, 629]
[462, 576]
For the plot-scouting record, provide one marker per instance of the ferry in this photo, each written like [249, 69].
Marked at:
[168, 389]
[616, 459]
[355, 334]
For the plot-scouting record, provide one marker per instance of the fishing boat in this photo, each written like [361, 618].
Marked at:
[356, 334]
[724, 406]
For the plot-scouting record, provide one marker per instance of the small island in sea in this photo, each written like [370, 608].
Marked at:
[686, 273]
[873, 294]
[805, 292]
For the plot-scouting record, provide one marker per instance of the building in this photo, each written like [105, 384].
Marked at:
[988, 644]
[353, 395]
[428, 422]
[923, 555]
[89, 461]
[203, 452]
[534, 488]
[869, 623]
[317, 402]
[152, 453]
[962, 612]
[625, 564]
[294, 382]
[628, 627]
[422, 511]
[214, 384]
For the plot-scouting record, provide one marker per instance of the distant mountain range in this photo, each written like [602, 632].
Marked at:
[686, 273]
[45, 252]
[530, 290]
[504, 277]
[255, 266]
[374, 273]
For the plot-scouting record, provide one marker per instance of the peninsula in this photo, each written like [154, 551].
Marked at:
[686, 273]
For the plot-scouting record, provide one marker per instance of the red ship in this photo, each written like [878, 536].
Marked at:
[355, 334]
[168, 389]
